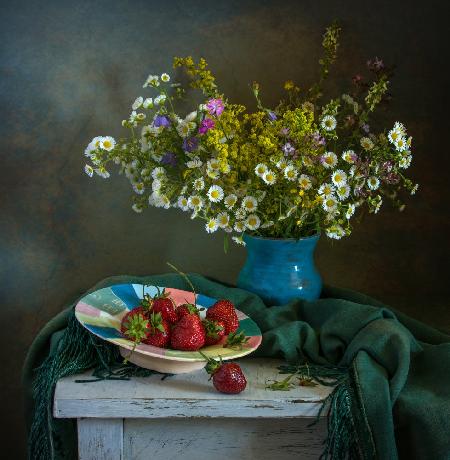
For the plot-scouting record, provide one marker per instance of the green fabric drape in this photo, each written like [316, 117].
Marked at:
[393, 403]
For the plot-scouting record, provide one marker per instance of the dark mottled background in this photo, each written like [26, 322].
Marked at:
[70, 70]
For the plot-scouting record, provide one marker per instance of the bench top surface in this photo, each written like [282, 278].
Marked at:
[186, 395]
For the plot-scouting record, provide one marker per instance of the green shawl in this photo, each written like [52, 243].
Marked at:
[392, 401]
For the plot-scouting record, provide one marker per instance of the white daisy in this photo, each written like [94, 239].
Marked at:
[191, 116]
[212, 225]
[137, 103]
[249, 203]
[238, 240]
[326, 190]
[199, 184]
[195, 202]
[305, 182]
[139, 188]
[260, 169]
[223, 220]
[89, 149]
[405, 162]
[400, 144]
[212, 174]
[409, 141]
[165, 202]
[269, 177]
[343, 191]
[394, 134]
[329, 203]
[290, 173]
[350, 211]
[335, 232]
[107, 143]
[328, 123]
[400, 127]
[102, 172]
[377, 204]
[194, 163]
[148, 103]
[328, 160]
[159, 173]
[373, 182]
[140, 116]
[89, 170]
[160, 100]
[156, 185]
[215, 193]
[213, 164]
[155, 199]
[165, 77]
[282, 164]
[240, 214]
[339, 177]
[414, 189]
[136, 208]
[239, 226]
[184, 128]
[349, 156]
[366, 143]
[183, 203]
[152, 80]
[252, 222]
[230, 200]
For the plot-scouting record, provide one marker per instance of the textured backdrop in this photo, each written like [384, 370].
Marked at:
[70, 70]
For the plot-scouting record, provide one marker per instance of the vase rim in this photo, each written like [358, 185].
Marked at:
[315, 236]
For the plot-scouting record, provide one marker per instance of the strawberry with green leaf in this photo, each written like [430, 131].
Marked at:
[162, 303]
[227, 377]
[158, 331]
[214, 330]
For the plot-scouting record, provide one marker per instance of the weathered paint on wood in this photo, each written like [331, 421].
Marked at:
[262, 439]
[186, 395]
[100, 439]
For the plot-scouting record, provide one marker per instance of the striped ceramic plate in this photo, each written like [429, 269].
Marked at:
[101, 313]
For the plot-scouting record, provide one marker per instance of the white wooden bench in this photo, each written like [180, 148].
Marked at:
[184, 417]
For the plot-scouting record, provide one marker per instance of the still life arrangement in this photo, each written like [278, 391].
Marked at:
[289, 172]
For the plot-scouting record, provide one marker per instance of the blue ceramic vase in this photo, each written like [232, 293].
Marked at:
[279, 270]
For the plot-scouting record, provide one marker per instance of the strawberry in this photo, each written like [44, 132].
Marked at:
[187, 309]
[227, 378]
[158, 331]
[214, 330]
[135, 324]
[188, 334]
[163, 304]
[223, 310]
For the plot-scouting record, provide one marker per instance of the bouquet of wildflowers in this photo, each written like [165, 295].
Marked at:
[284, 172]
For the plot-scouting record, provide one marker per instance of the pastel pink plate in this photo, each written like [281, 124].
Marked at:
[101, 312]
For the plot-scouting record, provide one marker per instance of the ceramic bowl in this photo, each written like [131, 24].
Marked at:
[101, 313]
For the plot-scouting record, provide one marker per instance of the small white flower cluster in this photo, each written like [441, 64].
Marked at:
[398, 137]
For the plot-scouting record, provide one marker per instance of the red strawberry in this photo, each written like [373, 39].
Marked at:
[227, 378]
[163, 304]
[214, 330]
[223, 310]
[187, 309]
[188, 334]
[135, 324]
[158, 331]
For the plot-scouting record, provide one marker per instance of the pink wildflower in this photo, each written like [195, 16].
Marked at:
[215, 107]
[206, 125]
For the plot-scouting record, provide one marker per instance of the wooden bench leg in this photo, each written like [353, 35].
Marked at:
[100, 438]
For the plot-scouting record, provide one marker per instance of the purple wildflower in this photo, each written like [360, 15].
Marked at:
[365, 127]
[215, 107]
[272, 115]
[161, 120]
[191, 144]
[169, 158]
[376, 64]
[288, 149]
[318, 139]
[206, 125]
[284, 131]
